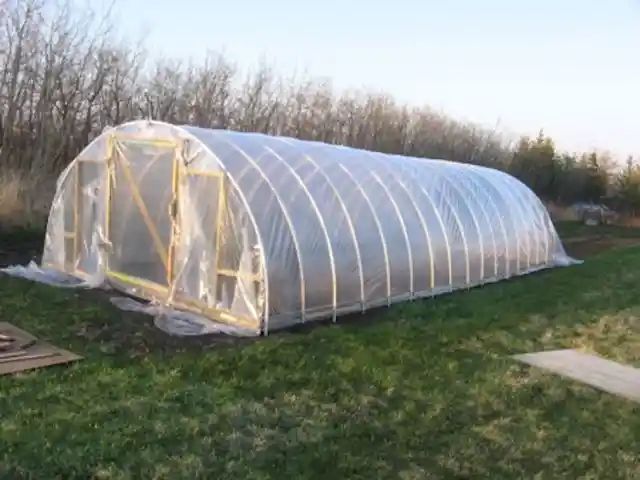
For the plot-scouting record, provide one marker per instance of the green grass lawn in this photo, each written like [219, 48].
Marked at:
[426, 391]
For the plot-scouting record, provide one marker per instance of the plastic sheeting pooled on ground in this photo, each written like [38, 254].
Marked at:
[178, 323]
[49, 276]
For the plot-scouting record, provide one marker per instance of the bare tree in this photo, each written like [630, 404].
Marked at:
[65, 77]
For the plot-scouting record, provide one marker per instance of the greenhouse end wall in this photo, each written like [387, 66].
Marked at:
[146, 209]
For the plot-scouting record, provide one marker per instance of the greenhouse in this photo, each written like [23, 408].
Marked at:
[264, 232]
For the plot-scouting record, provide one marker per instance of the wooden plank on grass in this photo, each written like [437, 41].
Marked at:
[606, 375]
[28, 353]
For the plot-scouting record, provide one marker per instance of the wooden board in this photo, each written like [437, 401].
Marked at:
[605, 375]
[29, 353]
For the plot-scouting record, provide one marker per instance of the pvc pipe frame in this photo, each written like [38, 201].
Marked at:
[470, 175]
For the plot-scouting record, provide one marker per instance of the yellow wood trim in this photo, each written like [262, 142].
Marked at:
[246, 276]
[138, 282]
[174, 216]
[157, 241]
[108, 185]
[139, 139]
[221, 314]
[76, 210]
[218, 227]
[204, 173]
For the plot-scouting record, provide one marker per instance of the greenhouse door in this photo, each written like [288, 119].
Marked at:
[223, 268]
[142, 215]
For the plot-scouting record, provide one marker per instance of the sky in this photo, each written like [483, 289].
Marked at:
[569, 67]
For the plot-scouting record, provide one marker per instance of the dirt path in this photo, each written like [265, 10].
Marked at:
[587, 247]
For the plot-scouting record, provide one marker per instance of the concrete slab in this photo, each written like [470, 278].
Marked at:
[603, 374]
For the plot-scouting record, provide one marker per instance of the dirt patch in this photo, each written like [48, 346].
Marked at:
[586, 247]
[135, 334]
[20, 252]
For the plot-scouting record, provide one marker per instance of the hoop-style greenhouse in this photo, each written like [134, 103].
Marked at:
[267, 232]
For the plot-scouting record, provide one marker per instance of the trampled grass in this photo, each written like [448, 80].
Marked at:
[426, 391]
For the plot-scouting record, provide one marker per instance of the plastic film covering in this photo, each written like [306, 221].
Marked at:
[346, 229]
[263, 232]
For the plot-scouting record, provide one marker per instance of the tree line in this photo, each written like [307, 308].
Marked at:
[65, 76]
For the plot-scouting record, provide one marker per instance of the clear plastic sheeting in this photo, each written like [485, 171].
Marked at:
[259, 232]
[181, 324]
[49, 276]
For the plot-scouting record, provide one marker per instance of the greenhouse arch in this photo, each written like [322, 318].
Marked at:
[266, 232]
